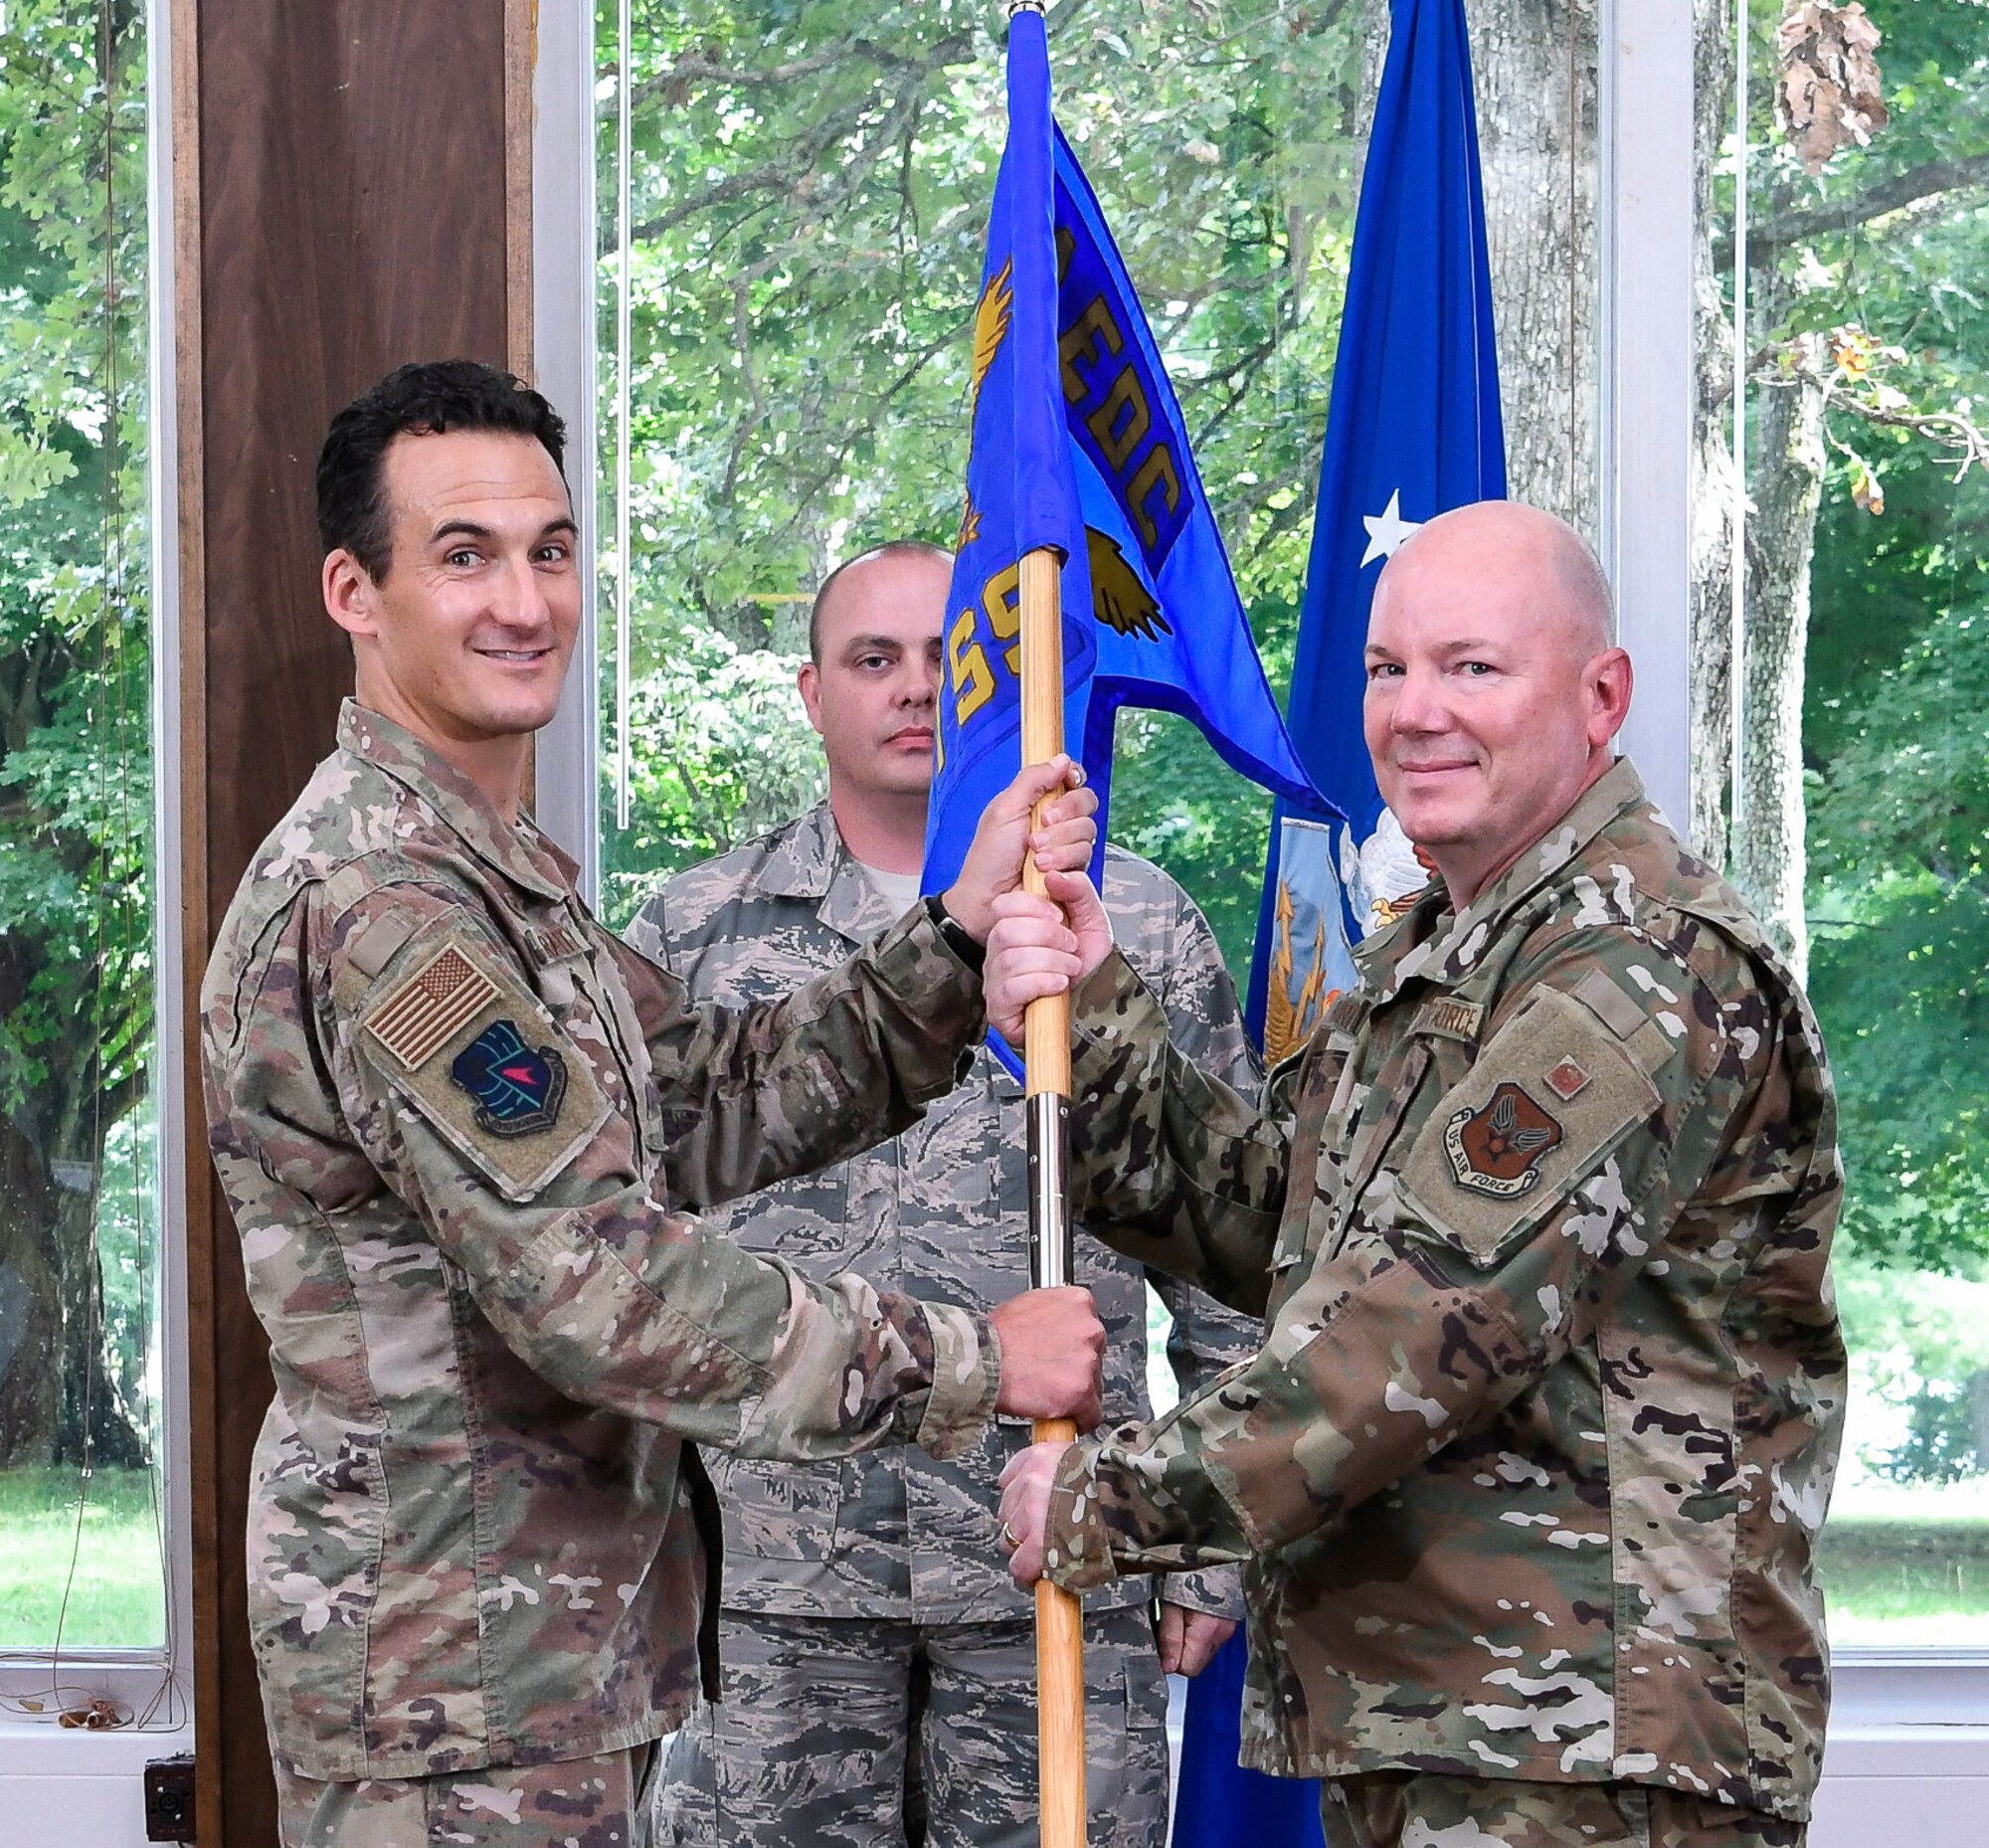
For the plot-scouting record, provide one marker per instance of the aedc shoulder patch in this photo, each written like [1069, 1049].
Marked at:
[460, 1034]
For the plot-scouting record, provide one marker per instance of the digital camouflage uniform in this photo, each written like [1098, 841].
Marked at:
[848, 1579]
[457, 1122]
[1531, 1468]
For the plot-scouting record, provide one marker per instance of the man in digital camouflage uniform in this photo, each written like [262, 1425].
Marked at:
[458, 1123]
[878, 1667]
[1531, 1467]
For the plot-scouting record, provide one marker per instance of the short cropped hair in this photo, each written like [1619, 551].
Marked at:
[426, 399]
[891, 548]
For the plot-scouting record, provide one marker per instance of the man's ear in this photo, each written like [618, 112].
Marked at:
[1610, 680]
[810, 683]
[351, 598]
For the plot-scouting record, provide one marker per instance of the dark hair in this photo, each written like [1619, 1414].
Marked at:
[891, 548]
[426, 399]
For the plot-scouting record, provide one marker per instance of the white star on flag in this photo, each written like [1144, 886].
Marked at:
[1386, 531]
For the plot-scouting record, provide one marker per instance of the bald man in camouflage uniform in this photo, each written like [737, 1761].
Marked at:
[878, 1666]
[1531, 1468]
[458, 1123]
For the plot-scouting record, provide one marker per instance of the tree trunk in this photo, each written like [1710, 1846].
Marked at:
[1533, 71]
[60, 1398]
[1769, 861]
[1761, 840]
[1715, 490]
[1537, 138]
[29, 1313]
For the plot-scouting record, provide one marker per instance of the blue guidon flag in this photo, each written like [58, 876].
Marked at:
[1078, 445]
[518, 1089]
[1413, 430]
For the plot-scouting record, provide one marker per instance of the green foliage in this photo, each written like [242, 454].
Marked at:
[76, 788]
[1919, 1341]
[1900, 836]
[1896, 743]
[718, 759]
[811, 191]
[74, 685]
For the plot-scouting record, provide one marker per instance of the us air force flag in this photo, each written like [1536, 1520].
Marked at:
[1078, 444]
[1413, 430]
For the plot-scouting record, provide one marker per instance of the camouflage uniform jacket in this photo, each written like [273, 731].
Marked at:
[451, 1114]
[941, 1211]
[1531, 1467]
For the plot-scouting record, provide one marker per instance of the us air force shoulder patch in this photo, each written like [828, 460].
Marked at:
[458, 1033]
[1497, 1149]
[1543, 1103]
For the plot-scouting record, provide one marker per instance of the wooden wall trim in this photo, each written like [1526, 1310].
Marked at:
[352, 190]
[522, 34]
[197, 1206]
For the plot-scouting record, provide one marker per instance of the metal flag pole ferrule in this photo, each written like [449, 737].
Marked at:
[1049, 1190]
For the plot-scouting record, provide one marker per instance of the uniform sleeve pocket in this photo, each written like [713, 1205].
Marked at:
[1312, 1190]
[1544, 1104]
[460, 1038]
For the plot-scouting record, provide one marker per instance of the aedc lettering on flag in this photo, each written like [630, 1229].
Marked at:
[1078, 444]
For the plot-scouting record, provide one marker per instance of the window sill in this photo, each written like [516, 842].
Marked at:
[40, 1748]
[39, 1744]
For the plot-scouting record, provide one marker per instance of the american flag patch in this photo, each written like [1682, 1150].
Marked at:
[419, 1016]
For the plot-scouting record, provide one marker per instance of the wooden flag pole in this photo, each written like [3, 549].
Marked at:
[1046, 1067]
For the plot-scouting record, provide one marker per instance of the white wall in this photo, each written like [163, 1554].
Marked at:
[73, 1790]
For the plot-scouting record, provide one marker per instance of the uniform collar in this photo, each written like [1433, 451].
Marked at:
[1431, 944]
[810, 862]
[522, 855]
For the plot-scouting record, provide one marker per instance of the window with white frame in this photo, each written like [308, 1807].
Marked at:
[1848, 790]
[792, 206]
[769, 210]
[84, 1541]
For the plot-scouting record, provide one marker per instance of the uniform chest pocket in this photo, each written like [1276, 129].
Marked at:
[593, 1008]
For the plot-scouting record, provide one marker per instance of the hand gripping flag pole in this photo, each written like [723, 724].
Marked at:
[1046, 1081]
[1089, 575]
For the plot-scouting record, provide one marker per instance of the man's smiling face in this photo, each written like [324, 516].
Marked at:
[466, 637]
[1493, 692]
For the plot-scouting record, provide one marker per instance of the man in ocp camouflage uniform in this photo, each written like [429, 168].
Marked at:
[878, 1668]
[458, 1123]
[1529, 1470]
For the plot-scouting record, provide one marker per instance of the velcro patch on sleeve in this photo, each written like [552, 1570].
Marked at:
[1545, 1100]
[466, 1043]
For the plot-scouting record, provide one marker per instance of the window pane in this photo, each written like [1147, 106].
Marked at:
[809, 192]
[1861, 827]
[80, 1552]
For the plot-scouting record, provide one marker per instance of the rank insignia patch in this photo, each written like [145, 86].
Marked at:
[518, 1089]
[1567, 1080]
[1496, 1149]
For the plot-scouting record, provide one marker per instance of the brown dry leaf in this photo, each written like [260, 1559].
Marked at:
[1829, 96]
